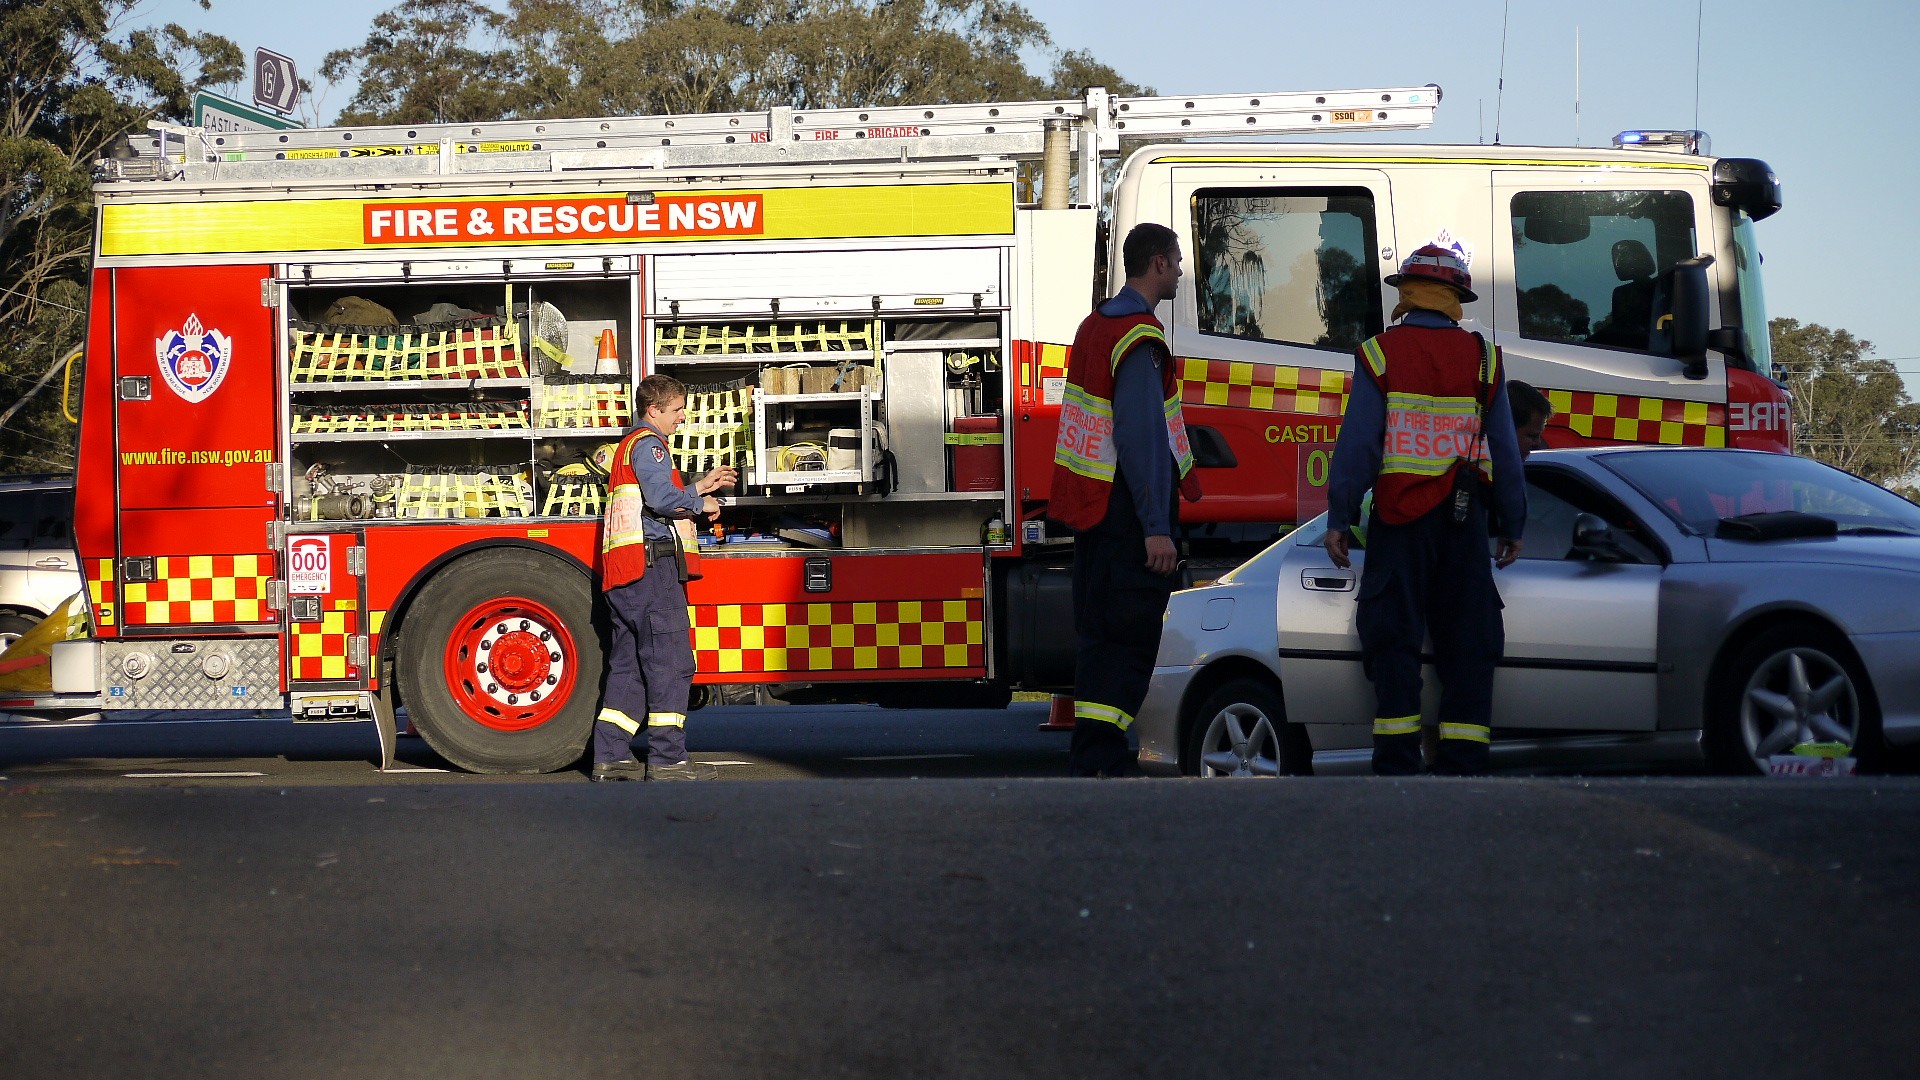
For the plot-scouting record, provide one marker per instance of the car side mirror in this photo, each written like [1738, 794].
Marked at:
[1689, 328]
[1593, 539]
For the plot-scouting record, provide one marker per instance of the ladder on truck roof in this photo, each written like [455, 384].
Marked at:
[892, 133]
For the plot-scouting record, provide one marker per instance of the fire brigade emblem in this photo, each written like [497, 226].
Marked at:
[194, 360]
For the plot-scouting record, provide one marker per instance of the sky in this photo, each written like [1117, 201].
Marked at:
[1815, 90]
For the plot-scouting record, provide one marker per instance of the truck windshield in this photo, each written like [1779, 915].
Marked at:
[1753, 302]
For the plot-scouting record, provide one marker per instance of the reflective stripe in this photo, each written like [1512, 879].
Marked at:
[1086, 427]
[1396, 725]
[1376, 359]
[1177, 437]
[1467, 732]
[666, 719]
[1427, 434]
[625, 509]
[1089, 710]
[620, 720]
[1143, 332]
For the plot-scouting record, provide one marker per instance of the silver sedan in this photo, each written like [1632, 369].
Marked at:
[1672, 605]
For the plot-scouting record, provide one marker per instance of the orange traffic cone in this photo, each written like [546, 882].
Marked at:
[1059, 714]
[609, 348]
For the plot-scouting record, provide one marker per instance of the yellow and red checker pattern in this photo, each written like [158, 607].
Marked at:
[1616, 418]
[191, 590]
[1611, 418]
[884, 635]
[319, 650]
[100, 591]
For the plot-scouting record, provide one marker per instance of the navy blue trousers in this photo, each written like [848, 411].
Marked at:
[1431, 577]
[649, 669]
[1118, 609]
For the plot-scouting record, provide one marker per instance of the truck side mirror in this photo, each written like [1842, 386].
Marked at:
[1689, 328]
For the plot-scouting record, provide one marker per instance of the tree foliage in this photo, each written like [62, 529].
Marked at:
[440, 61]
[1849, 411]
[75, 77]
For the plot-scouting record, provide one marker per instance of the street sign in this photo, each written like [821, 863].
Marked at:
[276, 85]
[216, 113]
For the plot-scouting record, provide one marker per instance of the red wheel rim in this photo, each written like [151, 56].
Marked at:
[510, 664]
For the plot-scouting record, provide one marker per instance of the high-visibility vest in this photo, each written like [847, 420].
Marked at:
[1084, 454]
[1437, 383]
[623, 550]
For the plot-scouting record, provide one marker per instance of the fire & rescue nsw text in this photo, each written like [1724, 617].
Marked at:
[563, 219]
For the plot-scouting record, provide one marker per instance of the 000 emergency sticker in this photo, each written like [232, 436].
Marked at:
[309, 565]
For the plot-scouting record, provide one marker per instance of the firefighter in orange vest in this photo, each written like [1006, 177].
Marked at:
[1428, 427]
[643, 572]
[1121, 453]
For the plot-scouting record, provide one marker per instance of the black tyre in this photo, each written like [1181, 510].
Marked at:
[1241, 729]
[11, 627]
[1790, 686]
[498, 663]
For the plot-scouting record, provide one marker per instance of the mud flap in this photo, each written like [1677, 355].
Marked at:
[383, 719]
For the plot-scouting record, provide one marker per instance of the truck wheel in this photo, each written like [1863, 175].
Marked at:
[499, 665]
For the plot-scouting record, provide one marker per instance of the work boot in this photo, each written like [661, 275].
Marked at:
[628, 769]
[683, 770]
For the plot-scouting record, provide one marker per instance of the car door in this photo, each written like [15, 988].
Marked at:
[54, 571]
[1580, 634]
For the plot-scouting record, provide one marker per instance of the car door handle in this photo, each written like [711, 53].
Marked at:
[1330, 580]
[52, 562]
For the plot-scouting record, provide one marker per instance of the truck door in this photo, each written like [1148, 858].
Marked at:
[1580, 283]
[195, 419]
[327, 631]
[1283, 283]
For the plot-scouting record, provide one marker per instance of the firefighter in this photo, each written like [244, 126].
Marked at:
[643, 572]
[1428, 427]
[1121, 452]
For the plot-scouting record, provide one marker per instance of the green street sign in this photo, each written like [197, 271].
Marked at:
[215, 113]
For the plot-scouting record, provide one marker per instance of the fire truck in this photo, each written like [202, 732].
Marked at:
[349, 391]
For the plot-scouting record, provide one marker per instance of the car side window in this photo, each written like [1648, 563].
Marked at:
[36, 519]
[1596, 267]
[1288, 265]
[1555, 500]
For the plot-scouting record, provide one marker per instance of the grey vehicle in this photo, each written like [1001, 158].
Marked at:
[1672, 605]
[38, 568]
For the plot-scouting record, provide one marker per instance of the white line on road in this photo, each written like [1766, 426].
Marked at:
[194, 775]
[414, 769]
[908, 757]
[704, 761]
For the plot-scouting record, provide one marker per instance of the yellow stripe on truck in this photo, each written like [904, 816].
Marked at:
[451, 221]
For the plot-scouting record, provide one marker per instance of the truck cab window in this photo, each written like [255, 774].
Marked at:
[1292, 265]
[1596, 267]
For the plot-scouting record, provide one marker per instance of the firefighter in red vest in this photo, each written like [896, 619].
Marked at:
[1428, 427]
[1121, 453]
[643, 572]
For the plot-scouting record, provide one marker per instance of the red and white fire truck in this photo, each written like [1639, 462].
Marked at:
[349, 390]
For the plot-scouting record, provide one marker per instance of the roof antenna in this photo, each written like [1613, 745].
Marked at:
[1576, 86]
[1500, 89]
[1699, 23]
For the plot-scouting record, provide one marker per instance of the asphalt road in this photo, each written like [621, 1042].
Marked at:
[747, 742]
[424, 926]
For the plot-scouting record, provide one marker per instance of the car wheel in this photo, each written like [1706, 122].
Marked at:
[499, 665]
[11, 627]
[1241, 730]
[1789, 687]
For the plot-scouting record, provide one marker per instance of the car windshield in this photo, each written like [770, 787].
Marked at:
[1701, 488]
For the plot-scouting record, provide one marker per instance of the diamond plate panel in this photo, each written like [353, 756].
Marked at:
[176, 676]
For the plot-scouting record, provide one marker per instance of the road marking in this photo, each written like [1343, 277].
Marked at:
[907, 757]
[415, 769]
[194, 775]
[704, 761]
